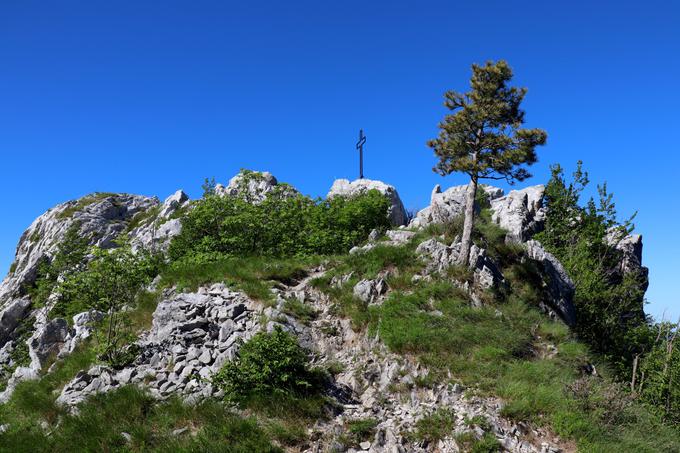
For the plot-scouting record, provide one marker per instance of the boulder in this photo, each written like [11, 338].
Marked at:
[11, 316]
[345, 188]
[520, 212]
[448, 205]
[559, 286]
[48, 341]
[486, 273]
[253, 186]
[83, 326]
[440, 257]
[157, 232]
[369, 291]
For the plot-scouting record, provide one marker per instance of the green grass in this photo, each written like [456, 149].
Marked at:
[497, 349]
[434, 427]
[84, 203]
[299, 310]
[101, 422]
[357, 431]
[255, 276]
[471, 444]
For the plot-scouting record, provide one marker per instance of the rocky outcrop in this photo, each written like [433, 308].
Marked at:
[345, 188]
[102, 218]
[11, 315]
[448, 205]
[83, 326]
[630, 247]
[253, 186]
[370, 291]
[156, 231]
[48, 341]
[191, 337]
[560, 288]
[520, 212]
[440, 257]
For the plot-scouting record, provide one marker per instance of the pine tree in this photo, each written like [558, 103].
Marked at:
[483, 136]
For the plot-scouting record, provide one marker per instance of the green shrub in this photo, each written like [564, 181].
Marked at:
[68, 260]
[608, 306]
[269, 364]
[113, 278]
[283, 224]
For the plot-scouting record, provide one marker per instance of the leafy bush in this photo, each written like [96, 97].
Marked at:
[608, 305]
[657, 379]
[282, 224]
[68, 260]
[110, 281]
[269, 364]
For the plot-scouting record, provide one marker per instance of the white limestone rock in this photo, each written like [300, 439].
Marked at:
[440, 257]
[47, 341]
[448, 205]
[11, 315]
[156, 232]
[102, 218]
[520, 212]
[253, 186]
[345, 188]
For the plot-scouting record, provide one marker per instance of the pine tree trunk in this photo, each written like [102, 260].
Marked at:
[464, 256]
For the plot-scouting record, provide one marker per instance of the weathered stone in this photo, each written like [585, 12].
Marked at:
[256, 189]
[205, 358]
[520, 212]
[399, 237]
[345, 188]
[560, 287]
[102, 218]
[48, 341]
[448, 205]
[83, 326]
[10, 316]
[440, 257]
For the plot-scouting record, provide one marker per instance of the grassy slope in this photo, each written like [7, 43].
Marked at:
[506, 348]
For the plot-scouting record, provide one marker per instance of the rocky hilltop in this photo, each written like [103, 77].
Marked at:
[193, 333]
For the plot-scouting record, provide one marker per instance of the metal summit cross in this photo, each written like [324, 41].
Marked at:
[360, 147]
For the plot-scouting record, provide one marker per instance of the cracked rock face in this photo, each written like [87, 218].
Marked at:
[255, 189]
[520, 212]
[448, 205]
[102, 218]
[158, 231]
[440, 257]
[192, 336]
[560, 287]
[345, 188]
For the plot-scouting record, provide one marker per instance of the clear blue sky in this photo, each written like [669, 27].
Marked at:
[147, 97]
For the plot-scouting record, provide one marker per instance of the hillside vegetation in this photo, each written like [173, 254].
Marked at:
[609, 384]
